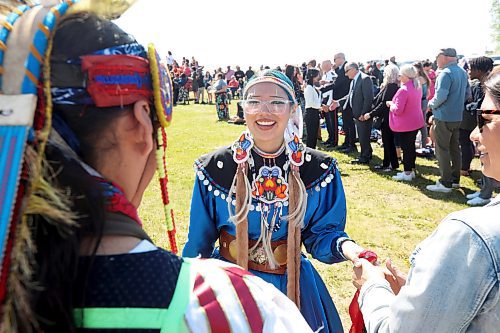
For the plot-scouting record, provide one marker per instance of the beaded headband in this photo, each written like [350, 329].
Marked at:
[116, 76]
[271, 79]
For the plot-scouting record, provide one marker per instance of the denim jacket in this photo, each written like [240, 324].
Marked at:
[451, 94]
[453, 284]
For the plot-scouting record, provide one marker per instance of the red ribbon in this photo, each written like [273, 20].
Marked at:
[358, 323]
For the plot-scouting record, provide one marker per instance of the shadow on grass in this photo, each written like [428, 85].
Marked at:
[425, 174]
[428, 169]
[420, 183]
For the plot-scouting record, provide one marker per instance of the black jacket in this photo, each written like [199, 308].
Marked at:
[341, 85]
[469, 118]
[362, 96]
[379, 108]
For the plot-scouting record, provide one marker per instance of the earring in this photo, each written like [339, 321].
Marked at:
[294, 147]
[241, 147]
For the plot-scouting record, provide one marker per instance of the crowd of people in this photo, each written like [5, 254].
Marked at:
[411, 109]
[83, 150]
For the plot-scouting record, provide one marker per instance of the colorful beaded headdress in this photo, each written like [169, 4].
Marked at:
[116, 77]
[272, 76]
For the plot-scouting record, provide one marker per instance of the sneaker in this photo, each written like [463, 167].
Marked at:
[455, 185]
[404, 177]
[438, 187]
[400, 174]
[478, 201]
[473, 195]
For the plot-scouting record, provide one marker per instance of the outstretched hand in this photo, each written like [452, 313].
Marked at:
[364, 271]
[335, 104]
[394, 276]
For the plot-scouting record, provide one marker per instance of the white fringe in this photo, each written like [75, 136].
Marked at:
[300, 211]
[265, 238]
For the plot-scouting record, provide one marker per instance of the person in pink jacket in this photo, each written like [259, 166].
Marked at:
[406, 118]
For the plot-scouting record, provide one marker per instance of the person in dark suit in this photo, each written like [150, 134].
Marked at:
[359, 99]
[327, 86]
[341, 89]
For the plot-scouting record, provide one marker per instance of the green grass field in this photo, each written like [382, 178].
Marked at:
[386, 216]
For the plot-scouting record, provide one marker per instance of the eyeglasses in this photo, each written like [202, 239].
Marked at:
[276, 106]
[480, 119]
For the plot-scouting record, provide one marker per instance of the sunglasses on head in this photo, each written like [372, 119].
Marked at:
[480, 120]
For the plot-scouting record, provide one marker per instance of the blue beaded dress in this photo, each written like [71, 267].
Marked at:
[322, 233]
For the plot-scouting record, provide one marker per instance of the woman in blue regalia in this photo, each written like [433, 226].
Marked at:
[266, 195]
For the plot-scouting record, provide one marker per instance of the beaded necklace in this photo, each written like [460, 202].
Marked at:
[270, 190]
[269, 186]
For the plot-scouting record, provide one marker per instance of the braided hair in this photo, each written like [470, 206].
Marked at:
[297, 200]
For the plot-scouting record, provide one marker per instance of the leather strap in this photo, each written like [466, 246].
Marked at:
[122, 225]
[225, 240]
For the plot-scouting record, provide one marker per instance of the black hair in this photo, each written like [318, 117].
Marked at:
[426, 63]
[311, 74]
[482, 64]
[290, 72]
[57, 256]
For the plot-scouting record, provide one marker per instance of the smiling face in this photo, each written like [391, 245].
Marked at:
[267, 128]
[489, 140]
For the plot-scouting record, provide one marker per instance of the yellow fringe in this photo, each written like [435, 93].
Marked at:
[18, 315]
[109, 9]
[55, 206]
[45, 199]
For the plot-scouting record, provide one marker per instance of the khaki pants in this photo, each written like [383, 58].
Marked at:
[449, 156]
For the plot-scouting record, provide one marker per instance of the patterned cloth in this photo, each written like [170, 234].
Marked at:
[221, 106]
[220, 297]
[80, 96]
[116, 202]
[183, 95]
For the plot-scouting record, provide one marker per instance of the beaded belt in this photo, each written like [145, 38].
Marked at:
[257, 259]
